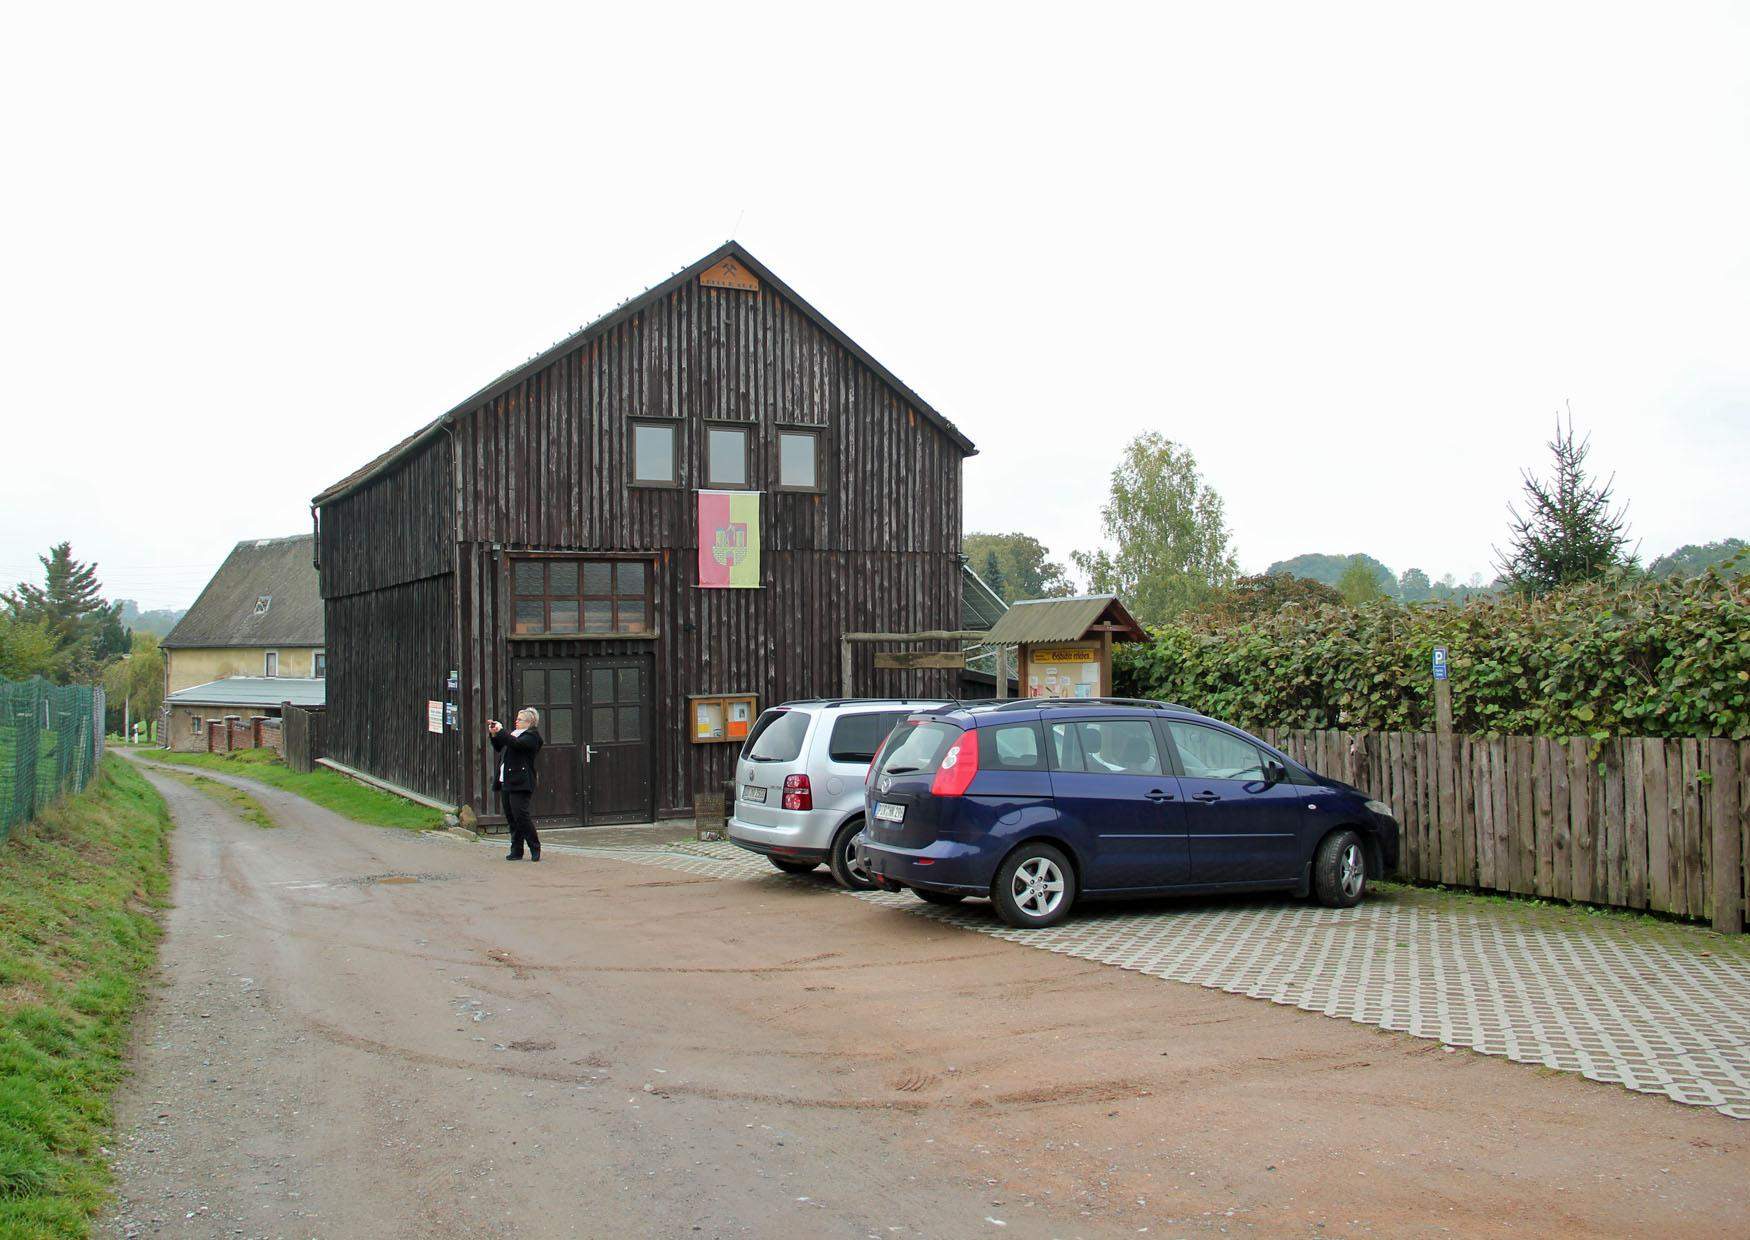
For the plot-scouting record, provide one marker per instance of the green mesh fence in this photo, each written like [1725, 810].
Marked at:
[51, 737]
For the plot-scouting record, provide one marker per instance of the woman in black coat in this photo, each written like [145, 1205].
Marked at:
[516, 778]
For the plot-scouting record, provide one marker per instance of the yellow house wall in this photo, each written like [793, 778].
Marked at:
[199, 665]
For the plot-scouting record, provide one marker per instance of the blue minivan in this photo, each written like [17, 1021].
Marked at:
[1039, 802]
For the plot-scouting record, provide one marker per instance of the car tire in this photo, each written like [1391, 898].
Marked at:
[1340, 870]
[944, 898]
[1034, 887]
[845, 872]
[790, 866]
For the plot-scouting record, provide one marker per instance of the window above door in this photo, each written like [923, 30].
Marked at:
[555, 596]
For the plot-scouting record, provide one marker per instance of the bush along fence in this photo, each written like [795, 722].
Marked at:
[1655, 824]
[51, 738]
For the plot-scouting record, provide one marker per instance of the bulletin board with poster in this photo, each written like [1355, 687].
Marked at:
[721, 718]
[1064, 671]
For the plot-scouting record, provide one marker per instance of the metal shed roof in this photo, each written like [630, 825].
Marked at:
[1064, 620]
[253, 691]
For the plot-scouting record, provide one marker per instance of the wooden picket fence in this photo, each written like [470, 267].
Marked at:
[1633, 822]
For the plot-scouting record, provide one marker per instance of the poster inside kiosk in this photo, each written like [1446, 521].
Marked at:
[1063, 671]
[722, 718]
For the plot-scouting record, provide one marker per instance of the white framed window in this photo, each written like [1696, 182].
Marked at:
[270, 663]
[195, 725]
[319, 664]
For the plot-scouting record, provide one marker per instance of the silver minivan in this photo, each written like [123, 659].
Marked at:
[799, 781]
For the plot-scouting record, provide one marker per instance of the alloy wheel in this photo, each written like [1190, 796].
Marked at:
[1038, 886]
[1353, 871]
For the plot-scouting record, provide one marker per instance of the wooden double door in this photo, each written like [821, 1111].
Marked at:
[595, 765]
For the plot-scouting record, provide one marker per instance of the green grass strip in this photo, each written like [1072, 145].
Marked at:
[238, 801]
[329, 789]
[78, 887]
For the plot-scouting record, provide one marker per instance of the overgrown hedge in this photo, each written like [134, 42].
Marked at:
[1627, 658]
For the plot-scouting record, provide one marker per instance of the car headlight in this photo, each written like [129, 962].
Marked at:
[1380, 807]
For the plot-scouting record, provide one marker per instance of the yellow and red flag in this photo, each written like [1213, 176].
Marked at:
[729, 540]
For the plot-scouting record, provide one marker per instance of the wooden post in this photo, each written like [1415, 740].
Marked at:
[845, 686]
[1002, 669]
[1726, 903]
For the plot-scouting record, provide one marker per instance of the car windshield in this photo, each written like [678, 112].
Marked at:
[778, 736]
[916, 747]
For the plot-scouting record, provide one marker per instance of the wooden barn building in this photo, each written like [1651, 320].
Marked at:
[651, 531]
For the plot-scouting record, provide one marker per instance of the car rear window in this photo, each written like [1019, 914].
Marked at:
[917, 747]
[777, 736]
[858, 738]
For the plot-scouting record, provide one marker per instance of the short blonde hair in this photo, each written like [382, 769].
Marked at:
[533, 714]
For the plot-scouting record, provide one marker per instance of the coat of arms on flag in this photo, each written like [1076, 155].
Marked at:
[729, 540]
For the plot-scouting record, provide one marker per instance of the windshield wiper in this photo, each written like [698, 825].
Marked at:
[901, 770]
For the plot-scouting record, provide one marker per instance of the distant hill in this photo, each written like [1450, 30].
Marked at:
[1694, 559]
[159, 622]
[1329, 569]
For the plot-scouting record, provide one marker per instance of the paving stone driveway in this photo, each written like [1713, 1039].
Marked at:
[1635, 1004]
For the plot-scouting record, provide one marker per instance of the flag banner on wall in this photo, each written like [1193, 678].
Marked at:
[729, 540]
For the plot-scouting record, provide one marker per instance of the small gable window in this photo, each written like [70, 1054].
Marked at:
[262, 603]
[798, 460]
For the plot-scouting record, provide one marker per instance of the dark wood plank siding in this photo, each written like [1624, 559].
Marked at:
[545, 465]
[398, 527]
[387, 554]
[389, 652]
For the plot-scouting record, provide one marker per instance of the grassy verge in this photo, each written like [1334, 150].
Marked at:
[245, 806]
[326, 788]
[77, 937]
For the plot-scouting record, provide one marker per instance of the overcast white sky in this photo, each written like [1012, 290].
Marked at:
[1354, 256]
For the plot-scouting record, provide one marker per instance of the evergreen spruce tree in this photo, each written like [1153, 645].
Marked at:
[1568, 532]
[992, 572]
[69, 605]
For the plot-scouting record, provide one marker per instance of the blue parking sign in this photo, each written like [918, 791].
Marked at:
[1440, 663]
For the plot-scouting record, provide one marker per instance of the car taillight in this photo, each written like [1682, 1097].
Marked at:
[798, 794]
[958, 767]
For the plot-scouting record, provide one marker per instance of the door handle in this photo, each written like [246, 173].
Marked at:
[1206, 796]
[1156, 794]
[588, 752]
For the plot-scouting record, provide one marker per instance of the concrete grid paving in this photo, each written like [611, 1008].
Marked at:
[1632, 1011]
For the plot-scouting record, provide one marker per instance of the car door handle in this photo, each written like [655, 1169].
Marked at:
[1206, 796]
[1158, 794]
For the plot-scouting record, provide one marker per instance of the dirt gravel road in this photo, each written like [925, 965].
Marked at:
[367, 1033]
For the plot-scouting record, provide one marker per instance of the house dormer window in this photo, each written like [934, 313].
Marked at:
[262, 603]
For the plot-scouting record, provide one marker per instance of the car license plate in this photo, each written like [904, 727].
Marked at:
[888, 812]
[753, 794]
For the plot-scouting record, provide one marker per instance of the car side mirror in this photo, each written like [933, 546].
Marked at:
[1275, 772]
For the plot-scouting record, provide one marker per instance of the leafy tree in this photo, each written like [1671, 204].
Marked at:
[1414, 586]
[69, 604]
[1330, 569]
[1172, 544]
[28, 650]
[1568, 532]
[1265, 594]
[1025, 566]
[1359, 583]
[1693, 559]
[134, 685]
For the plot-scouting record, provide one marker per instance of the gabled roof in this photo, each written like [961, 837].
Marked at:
[231, 610]
[729, 249]
[253, 691]
[1065, 620]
